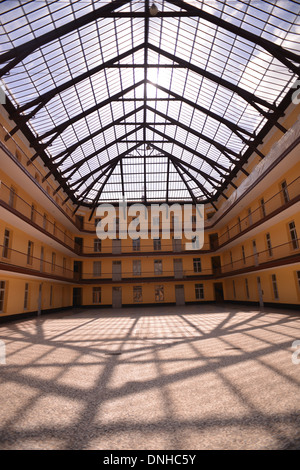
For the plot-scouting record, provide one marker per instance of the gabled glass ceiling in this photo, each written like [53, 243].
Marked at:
[120, 102]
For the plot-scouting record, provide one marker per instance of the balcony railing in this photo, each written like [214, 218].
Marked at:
[28, 262]
[29, 213]
[278, 201]
[264, 258]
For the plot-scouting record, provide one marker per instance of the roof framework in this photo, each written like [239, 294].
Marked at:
[122, 103]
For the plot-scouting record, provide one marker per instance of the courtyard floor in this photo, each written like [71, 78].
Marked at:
[164, 378]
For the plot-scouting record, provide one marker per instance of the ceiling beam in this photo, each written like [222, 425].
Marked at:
[233, 127]
[224, 150]
[69, 150]
[44, 98]
[100, 190]
[15, 55]
[57, 130]
[78, 164]
[250, 98]
[285, 56]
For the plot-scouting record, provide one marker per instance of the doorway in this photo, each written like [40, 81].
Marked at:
[260, 292]
[77, 296]
[116, 271]
[216, 265]
[117, 297]
[178, 271]
[219, 293]
[179, 295]
[77, 270]
[213, 241]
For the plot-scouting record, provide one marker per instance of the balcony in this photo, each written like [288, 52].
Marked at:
[10, 200]
[26, 263]
[267, 209]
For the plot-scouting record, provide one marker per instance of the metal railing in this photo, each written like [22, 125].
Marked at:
[277, 201]
[33, 216]
[32, 263]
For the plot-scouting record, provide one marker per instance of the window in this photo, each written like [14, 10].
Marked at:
[269, 244]
[262, 207]
[158, 266]
[243, 254]
[199, 291]
[2, 295]
[250, 216]
[12, 197]
[96, 268]
[26, 295]
[275, 288]
[293, 235]
[96, 295]
[197, 265]
[32, 213]
[54, 228]
[247, 288]
[97, 245]
[239, 224]
[136, 244]
[137, 294]
[233, 288]
[298, 279]
[159, 293]
[231, 259]
[176, 244]
[45, 221]
[64, 265]
[53, 261]
[5, 249]
[136, 267]
[157, 244]
[30, 252]
[285, 192]
[51, 296]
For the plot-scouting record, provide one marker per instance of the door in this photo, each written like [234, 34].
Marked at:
[116, 271]
[178, 272]
[179, 295]
[76, 296]
[78, 244]
[260, 292]
[42, 259]
[176, 244]
[213, 241]
[117, 297]
[116, 246]
[219, 294]
[40, 299]
[255, 255]
[216, 265]
[77, 270]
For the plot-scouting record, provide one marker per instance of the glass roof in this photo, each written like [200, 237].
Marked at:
[122, 99]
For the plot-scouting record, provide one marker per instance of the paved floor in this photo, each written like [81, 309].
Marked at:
[163, 378]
